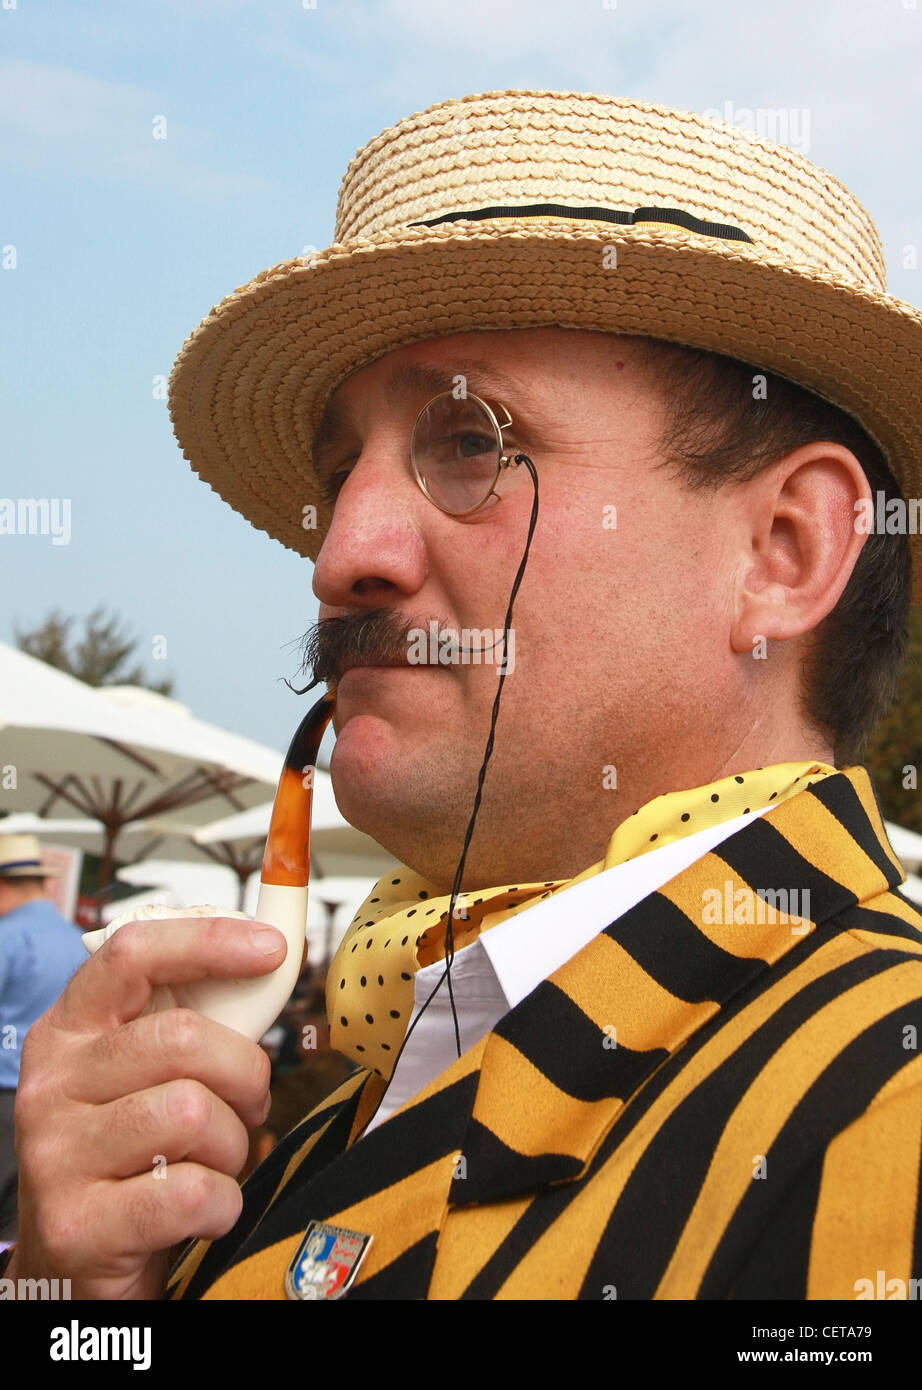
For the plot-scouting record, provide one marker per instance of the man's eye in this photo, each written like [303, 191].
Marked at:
[473, 445]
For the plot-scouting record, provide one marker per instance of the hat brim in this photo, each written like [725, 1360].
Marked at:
[43, 871]
[248, 389]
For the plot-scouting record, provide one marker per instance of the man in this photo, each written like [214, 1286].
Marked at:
[39, 951]
[639, 1016]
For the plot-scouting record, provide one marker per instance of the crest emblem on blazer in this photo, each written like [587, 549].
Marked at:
[326, 1262]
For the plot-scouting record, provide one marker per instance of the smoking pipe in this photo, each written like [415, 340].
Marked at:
[252, 1005]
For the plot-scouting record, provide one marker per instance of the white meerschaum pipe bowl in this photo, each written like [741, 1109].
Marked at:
[250, 1006]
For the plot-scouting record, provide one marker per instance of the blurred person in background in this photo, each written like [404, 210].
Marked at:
[39, 952]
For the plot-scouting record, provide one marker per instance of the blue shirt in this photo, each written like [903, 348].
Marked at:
[39, 951]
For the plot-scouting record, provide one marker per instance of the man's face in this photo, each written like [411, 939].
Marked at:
[622, 661]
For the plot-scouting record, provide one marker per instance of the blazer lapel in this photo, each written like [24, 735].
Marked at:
[527, 1107]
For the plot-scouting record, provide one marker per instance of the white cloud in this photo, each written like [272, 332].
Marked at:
[45, 103]
[60, 122]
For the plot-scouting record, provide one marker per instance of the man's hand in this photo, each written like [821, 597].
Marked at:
[130, 1130]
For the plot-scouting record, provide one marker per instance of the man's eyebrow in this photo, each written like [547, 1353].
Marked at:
[418, 378]
[423, 380]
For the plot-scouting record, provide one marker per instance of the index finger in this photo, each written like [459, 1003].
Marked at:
[115, 984]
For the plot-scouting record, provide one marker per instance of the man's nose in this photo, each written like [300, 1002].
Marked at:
[374, 545]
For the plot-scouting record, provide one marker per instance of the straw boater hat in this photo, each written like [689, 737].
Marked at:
[21, 857]
[518, 209]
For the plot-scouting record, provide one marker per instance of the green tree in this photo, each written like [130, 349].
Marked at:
[894, 752]
[98, 657]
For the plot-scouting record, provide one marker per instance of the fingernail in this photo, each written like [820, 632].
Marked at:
[266, 939]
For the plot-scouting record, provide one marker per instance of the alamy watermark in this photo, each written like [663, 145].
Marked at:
[744, 907]
[84, 1343]
[25, 1290]
[36, 516]
[896, 517]
[472, 646]
[887, 1289]
[786, 125]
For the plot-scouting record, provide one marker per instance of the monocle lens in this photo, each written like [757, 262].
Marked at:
[456, 451]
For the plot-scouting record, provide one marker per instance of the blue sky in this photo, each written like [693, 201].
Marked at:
[123, 243]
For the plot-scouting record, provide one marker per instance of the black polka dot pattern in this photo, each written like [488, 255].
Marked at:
[673, 815]
[397, 905]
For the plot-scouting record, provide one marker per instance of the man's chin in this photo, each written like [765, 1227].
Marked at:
[363, 742]
[367, 767]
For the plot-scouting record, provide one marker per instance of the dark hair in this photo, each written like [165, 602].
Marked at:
[718, 430]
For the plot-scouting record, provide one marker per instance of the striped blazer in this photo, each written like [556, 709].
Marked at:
[690, 1107]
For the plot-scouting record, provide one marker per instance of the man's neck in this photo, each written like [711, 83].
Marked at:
[11, 906]
[571, 846]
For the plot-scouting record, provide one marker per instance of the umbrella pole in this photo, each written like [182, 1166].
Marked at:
[105, 869]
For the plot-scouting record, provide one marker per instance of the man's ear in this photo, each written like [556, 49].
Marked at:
[800, 542]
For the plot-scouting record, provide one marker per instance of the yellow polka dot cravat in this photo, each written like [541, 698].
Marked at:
[401, 925]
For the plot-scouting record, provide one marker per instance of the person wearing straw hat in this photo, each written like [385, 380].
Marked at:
[39, 952]
[637, 1016]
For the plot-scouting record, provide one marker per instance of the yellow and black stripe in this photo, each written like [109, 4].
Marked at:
[683, 1110]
